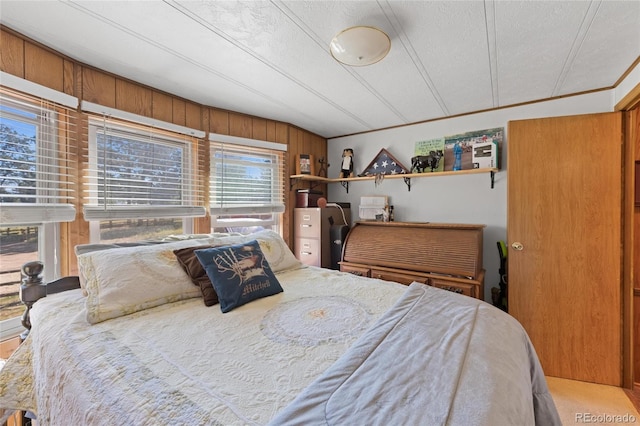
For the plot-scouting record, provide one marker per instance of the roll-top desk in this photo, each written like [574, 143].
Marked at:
[444, 255]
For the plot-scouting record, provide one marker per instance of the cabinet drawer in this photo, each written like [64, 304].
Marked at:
[456, 287]
[307, 250]
[402, 278]
[355, 270]
[307, 223]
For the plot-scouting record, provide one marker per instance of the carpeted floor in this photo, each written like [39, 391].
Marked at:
[581, 402]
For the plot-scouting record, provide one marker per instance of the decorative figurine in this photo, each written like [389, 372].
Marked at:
[421, 163]
[457, 153]
[323, 167]
[346, 170]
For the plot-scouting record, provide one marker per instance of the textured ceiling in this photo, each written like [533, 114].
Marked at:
[271, 58]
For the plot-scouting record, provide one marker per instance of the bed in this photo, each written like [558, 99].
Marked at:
[143, 342]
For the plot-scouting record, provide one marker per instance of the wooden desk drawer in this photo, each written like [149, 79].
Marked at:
[456, 287]
[399, 277]
[355, 270]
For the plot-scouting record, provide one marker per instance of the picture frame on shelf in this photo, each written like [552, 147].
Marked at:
[428, 156]
[305, 165]
[477, 149]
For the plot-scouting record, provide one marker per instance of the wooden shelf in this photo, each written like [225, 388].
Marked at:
[406, 176]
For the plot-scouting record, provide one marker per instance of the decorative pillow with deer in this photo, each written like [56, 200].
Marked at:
[239, 273]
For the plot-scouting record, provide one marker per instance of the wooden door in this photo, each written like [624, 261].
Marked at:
[565, 214]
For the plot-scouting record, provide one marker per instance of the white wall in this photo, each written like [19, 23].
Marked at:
[450, 199]
[627, 84]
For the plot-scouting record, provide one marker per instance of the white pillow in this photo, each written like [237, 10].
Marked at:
[275, 250]
[278, 254]
[126, 280]
[181, 237]
[271, 243]
[87, 248]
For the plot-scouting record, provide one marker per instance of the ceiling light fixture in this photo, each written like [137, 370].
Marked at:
[361, 45]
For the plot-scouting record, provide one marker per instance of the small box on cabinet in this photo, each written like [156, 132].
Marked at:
[307, 198]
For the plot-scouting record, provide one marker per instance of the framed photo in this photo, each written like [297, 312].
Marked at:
[305, 165]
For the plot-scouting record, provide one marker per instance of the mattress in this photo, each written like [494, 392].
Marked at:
[332, 348]
[185, 363]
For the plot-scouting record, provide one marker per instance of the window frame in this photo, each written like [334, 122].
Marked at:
[47, 141]
[146, 134]
[221, 214]
[44, 116]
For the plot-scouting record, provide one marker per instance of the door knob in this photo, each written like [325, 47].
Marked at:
[517, 246]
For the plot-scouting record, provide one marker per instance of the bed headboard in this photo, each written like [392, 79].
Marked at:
[33, 289]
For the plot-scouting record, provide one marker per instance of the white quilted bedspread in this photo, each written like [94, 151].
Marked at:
[474, 366]
[185, 363]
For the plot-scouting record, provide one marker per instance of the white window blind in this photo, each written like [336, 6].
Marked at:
[37, 168]
[139, 171]
[245, 180]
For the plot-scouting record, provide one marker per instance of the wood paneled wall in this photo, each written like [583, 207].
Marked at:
[35, 62]
[302, 142]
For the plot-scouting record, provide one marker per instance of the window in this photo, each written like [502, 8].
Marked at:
[36, 191]
[18, 245]
[142, 182]
[246, 190]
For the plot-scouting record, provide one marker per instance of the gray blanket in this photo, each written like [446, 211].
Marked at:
[436, 358]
